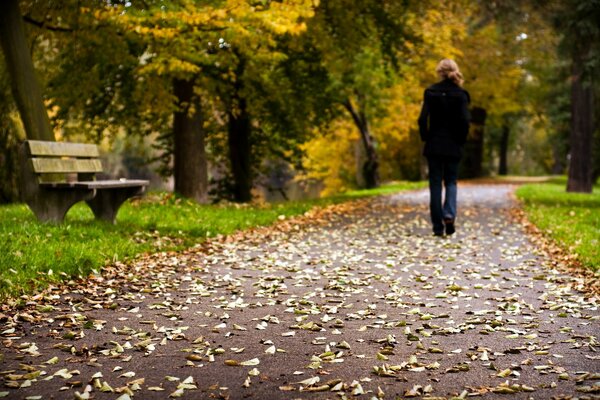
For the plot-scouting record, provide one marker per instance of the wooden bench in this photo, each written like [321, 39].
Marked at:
[56, 175]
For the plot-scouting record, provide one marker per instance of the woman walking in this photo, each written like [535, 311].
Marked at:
[444, 126]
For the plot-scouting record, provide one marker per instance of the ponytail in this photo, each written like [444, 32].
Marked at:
[448, 69]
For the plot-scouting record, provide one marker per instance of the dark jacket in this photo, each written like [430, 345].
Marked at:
[444, 119]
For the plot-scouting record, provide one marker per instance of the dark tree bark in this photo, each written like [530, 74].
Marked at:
[190, 165]
[24, 84]
[503, 168]
[240, 150]
[582, 130]
[239, 130]
[472, 163]
[9, 173]
[370, 168]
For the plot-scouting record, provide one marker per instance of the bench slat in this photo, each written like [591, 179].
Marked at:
[57, 165]
[111, 184]
[62, 149]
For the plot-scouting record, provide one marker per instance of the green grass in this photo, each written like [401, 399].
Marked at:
[33, 254]
[572, 219]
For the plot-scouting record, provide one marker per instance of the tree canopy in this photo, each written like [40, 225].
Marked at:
[232, 95]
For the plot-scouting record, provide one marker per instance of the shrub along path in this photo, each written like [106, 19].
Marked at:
[358, 300]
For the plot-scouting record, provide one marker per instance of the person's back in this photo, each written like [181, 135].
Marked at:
[445, 126]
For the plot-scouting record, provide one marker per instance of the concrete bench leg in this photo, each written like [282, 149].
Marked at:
[52, 205]
[107, 202]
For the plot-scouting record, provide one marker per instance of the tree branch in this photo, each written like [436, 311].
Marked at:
[348, 105]
[43, 25]
[361, 124]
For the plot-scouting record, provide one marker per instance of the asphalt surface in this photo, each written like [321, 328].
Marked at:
[363, 304]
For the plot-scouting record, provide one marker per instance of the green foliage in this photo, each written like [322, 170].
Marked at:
[33, 254]
[579, 23]
[572, 219]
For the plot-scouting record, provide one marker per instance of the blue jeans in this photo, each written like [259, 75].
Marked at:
[446, 169]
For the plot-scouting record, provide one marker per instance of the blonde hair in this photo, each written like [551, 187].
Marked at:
[448, 69]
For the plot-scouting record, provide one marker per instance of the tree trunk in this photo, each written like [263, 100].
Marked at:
[239, 131]
[472, 163]
[582, 130]
[25, 87]
[503, 168]
[9, 173]
[190, 165]
[240, 151]
[370, 168]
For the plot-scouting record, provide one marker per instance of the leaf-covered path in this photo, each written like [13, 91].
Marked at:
[359, 301]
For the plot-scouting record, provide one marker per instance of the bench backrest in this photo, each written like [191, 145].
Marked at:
[58, 160]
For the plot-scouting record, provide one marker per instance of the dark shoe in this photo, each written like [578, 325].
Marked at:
[450, 229]
[438, 234]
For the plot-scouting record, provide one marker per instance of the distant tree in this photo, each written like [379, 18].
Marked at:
[494, 76]
[579, 22]
[221, 50]
[255, 92]
[359, 44]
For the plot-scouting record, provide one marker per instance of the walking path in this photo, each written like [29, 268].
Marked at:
[361, 304]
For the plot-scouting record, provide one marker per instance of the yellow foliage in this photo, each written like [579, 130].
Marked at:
[397, 137]
[171, 66]
[439, 31]
[279, 18]
[492, 75]
[330, 157]
[180, 34]
[333, 157]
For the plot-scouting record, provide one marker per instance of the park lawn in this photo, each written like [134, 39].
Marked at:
[33, 254]
[571, 219]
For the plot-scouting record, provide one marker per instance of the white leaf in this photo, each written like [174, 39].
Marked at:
[254, 361]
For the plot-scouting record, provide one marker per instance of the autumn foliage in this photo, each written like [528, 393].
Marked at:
[218, 92]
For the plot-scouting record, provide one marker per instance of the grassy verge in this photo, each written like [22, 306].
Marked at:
[33, 254]
[572, 219]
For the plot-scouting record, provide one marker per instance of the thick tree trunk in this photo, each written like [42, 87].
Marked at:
[370, 168]
[239, 132]
[503, 168]
[582, 131]
[190, 165]
[240, 151]
[25, 87]
[472, 163]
